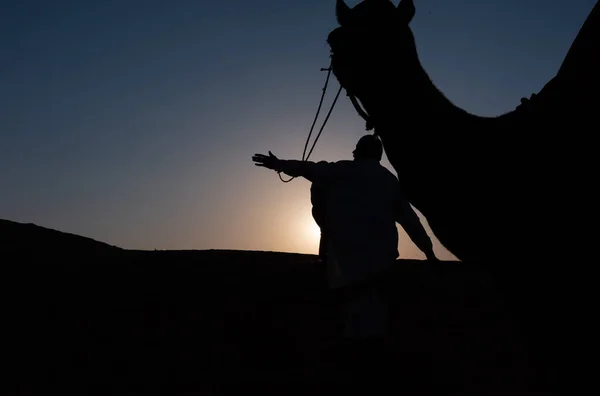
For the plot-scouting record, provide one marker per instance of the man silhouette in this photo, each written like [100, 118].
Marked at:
[357, 204]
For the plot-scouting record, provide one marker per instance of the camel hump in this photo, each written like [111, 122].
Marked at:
[573, 91]
[583, 53]
[579, 73]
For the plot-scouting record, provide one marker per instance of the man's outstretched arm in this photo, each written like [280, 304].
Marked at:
[411, 223]
[307, 169]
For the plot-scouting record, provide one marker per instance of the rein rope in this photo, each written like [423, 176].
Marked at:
[356, 105]
[304, 156]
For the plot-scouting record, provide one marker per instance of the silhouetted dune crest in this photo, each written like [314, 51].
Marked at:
[227, 322]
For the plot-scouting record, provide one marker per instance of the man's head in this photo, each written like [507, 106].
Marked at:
[368, 147]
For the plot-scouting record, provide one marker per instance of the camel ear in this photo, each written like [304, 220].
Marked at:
[343, 12]
[406, 11]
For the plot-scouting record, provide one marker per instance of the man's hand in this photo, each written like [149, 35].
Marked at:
[269, 162]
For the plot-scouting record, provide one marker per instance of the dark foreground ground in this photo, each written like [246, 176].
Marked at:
[86, 317]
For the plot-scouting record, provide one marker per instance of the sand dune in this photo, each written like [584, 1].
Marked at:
[88, 316]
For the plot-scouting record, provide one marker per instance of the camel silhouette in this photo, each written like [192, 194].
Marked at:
[514, 193]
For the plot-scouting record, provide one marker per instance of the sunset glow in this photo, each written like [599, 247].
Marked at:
[314, 231]
[307, 232]
[135, 125]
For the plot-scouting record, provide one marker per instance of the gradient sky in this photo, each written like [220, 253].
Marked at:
[133, 122]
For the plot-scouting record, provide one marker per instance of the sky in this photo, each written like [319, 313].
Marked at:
[133, 122]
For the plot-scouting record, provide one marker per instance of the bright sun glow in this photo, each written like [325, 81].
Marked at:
[314, 231]
[309, 235]
[313, 235]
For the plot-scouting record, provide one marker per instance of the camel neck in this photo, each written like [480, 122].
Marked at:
[419, 103]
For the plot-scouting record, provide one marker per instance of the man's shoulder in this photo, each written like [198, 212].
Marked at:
[388, 174]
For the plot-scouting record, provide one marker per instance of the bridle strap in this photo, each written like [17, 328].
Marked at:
[305, 156]
[357, 106]
[361, 112]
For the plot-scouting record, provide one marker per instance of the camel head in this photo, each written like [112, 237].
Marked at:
[373, 49]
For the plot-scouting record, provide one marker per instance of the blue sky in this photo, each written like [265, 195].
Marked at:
[133, 122]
